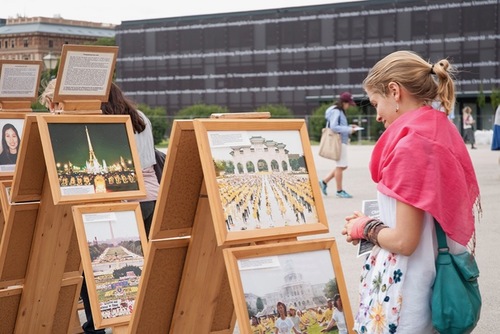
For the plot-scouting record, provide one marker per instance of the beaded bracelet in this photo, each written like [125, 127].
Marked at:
[372, 229]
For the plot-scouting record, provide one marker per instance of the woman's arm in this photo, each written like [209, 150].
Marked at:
[401, 239]
[405, 237]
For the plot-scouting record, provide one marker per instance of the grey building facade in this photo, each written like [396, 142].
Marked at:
[301, 56]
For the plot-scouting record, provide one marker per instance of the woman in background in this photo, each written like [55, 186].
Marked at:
[118, 104]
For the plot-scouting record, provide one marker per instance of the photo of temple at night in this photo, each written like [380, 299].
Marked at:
[92, 158]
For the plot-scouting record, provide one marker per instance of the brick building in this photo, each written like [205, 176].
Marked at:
[32, 38]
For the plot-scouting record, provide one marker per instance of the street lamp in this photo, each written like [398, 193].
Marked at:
[50, 61]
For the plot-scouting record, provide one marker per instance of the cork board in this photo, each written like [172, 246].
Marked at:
[182, 175]
[17, 241]
[73, 261]
[156, 299]
[9, 304]
[30, 172]
[225, 319]
[66, 304]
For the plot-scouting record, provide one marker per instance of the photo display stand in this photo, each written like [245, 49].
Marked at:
[19, 81]
[64, 160]
[205, 207]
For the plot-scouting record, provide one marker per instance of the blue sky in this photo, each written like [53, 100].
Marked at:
[114, 12]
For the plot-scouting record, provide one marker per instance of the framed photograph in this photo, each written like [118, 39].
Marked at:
[260, 178]
[91, 158]
[85, 72]
[19, 80]
[112, 242]
[11, 125]
[269, 280]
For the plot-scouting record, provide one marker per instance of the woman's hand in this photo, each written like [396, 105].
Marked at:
[351, 220]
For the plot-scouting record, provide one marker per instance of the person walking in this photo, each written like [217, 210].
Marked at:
[468, 120]
[411, 164]
[336, 119]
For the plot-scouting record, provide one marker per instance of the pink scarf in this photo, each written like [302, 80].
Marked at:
[422, 160]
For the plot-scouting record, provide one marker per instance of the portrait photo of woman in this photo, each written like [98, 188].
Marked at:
[11, 140]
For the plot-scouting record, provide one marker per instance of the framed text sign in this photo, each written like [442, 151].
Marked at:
[19, 80]
[85, 72]
[260, 179]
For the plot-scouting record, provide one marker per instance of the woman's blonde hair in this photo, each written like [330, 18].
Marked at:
[47, 96]
[428, 82]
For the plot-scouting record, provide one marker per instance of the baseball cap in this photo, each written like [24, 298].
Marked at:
[347, 97]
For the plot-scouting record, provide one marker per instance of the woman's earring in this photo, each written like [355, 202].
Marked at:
[397, 107]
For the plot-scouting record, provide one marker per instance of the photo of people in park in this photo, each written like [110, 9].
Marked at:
[263, 179]
[92, 158]
[288, 291]
[12, 130]
[117, 260]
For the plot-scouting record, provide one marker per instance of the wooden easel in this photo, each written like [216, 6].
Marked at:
[39, 253]
[40, 264]
[185, 284]
[15, 106]
[196, 297]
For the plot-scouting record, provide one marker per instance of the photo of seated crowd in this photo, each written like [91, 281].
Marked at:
[328, 318]
[264, 184]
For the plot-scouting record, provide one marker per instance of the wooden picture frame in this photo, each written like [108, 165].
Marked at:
[90, 158]
[294, 273]
[12, 124]
[269, 188]
[104, 230]
[85, 73]
[19, 80]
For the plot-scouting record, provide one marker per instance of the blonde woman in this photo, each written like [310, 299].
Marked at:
[411, 163]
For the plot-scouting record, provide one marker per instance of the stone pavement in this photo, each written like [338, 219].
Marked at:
[358, 183]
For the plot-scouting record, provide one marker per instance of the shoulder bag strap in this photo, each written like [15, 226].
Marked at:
[441, 236]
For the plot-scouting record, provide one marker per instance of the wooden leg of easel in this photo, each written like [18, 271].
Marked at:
[202, 276]
[76, 326]
[120, 329]
[46, 266]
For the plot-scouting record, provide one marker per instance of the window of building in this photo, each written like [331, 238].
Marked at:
[6, 44]
[12, 43]
[25, 42]
[51, 43]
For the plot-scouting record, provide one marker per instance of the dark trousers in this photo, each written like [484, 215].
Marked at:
[88, 326]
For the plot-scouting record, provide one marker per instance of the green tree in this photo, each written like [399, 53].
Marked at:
[104, 41]
[230, 167]
[259, 304]
[481, 98]
[276, 111]
[317, 122]
[331, 288]
[122, 272]
[251, 312]
[159, 121]
[495, 97]
[200, 111]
